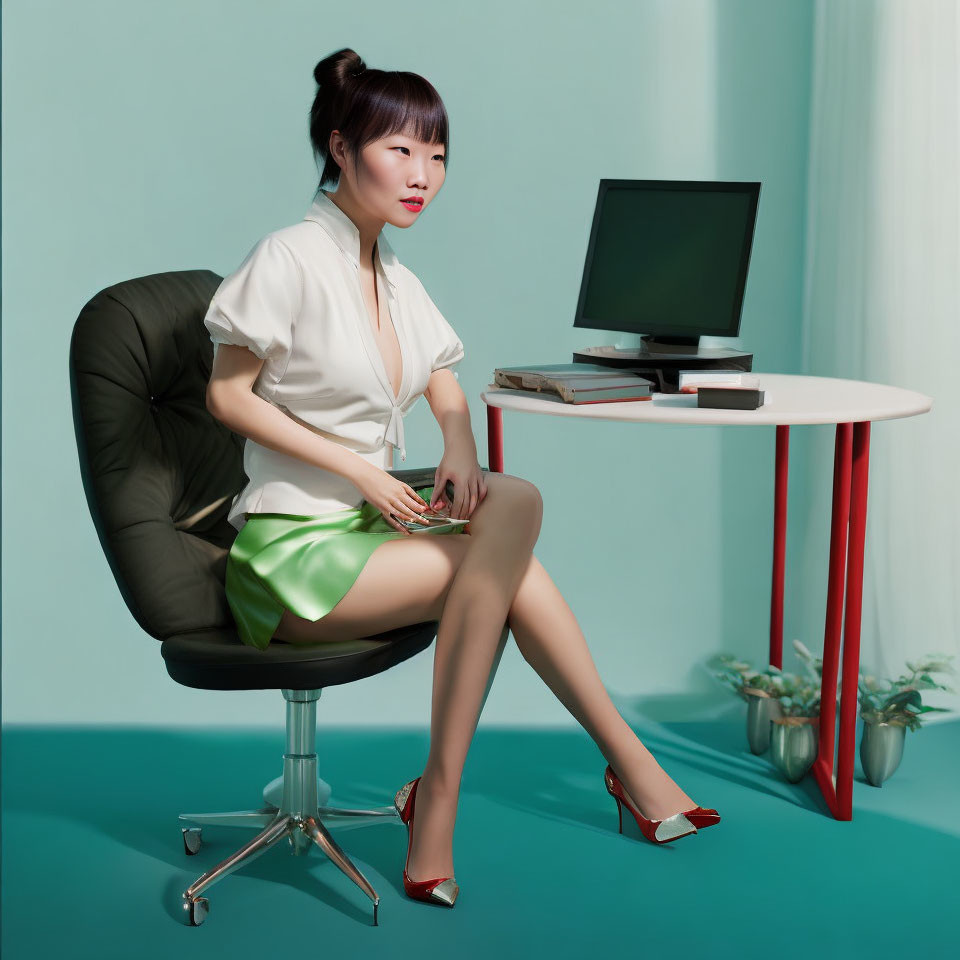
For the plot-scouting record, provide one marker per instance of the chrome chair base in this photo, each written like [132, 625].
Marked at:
[273, 792]
[298, 815]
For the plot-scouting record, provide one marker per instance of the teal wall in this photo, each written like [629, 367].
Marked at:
[141, 138]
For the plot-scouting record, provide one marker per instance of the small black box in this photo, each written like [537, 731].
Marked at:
[730, 398]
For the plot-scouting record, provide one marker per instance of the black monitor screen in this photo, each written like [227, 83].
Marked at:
[668, 257]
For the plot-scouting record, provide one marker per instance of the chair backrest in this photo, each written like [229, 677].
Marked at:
[159, 472]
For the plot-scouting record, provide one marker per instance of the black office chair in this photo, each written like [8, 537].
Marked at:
[160, 473]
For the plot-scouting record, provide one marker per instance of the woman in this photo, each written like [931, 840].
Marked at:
[323, 341]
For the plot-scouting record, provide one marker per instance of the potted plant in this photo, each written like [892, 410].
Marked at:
[888, 711]
[794, 735]
[760, 690]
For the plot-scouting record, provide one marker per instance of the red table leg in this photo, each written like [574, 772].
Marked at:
[495, 439]
[779, 544]
[851, 625]
[851, 468]
[834, 618]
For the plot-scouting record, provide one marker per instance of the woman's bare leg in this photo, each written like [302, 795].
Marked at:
[504, 528]
[550, 639]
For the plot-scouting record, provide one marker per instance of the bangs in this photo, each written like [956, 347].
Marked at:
[393, 102]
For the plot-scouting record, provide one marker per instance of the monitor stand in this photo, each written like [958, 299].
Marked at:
[661, 360]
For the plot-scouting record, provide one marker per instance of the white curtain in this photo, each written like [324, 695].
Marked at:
[882, 299]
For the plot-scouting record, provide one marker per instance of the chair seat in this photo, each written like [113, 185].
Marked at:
[217, 660]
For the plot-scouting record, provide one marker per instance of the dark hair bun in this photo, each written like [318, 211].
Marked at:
[338, 68]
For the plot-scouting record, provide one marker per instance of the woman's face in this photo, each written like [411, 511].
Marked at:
[392, 169]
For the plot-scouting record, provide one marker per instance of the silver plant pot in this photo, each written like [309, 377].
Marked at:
[793, 747]
[881, 749]
[761, 709]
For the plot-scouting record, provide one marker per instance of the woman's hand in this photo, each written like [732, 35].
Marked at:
[392, 497]
[469, 487]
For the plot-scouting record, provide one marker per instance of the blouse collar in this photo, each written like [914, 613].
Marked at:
[346, 235]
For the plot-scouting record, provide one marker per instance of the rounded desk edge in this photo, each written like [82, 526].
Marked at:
[912, 403]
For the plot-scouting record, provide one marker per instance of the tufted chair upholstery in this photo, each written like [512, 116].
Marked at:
[160, 474]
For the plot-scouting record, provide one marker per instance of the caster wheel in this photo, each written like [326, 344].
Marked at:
[196, 910]
[192, 839]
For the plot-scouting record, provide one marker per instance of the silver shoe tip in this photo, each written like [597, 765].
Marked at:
[674, 827]
[446, 892]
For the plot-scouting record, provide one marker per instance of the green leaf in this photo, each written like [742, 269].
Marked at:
[903, 698]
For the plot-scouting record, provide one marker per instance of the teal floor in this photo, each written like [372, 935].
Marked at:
[93, 863]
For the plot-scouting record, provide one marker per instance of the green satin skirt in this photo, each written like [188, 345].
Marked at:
[303, 564]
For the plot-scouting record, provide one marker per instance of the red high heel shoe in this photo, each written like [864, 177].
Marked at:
[440, 890]
[656, 831]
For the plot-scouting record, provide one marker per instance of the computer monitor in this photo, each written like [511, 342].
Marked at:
[668, 259]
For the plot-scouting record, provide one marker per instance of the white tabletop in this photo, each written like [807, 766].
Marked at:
[794, 399]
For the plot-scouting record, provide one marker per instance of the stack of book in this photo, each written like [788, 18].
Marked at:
[576, 382]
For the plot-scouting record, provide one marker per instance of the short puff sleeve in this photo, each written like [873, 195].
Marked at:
[446, 346]
[256, 305]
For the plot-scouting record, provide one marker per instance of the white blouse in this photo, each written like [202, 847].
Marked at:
[296, 302]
